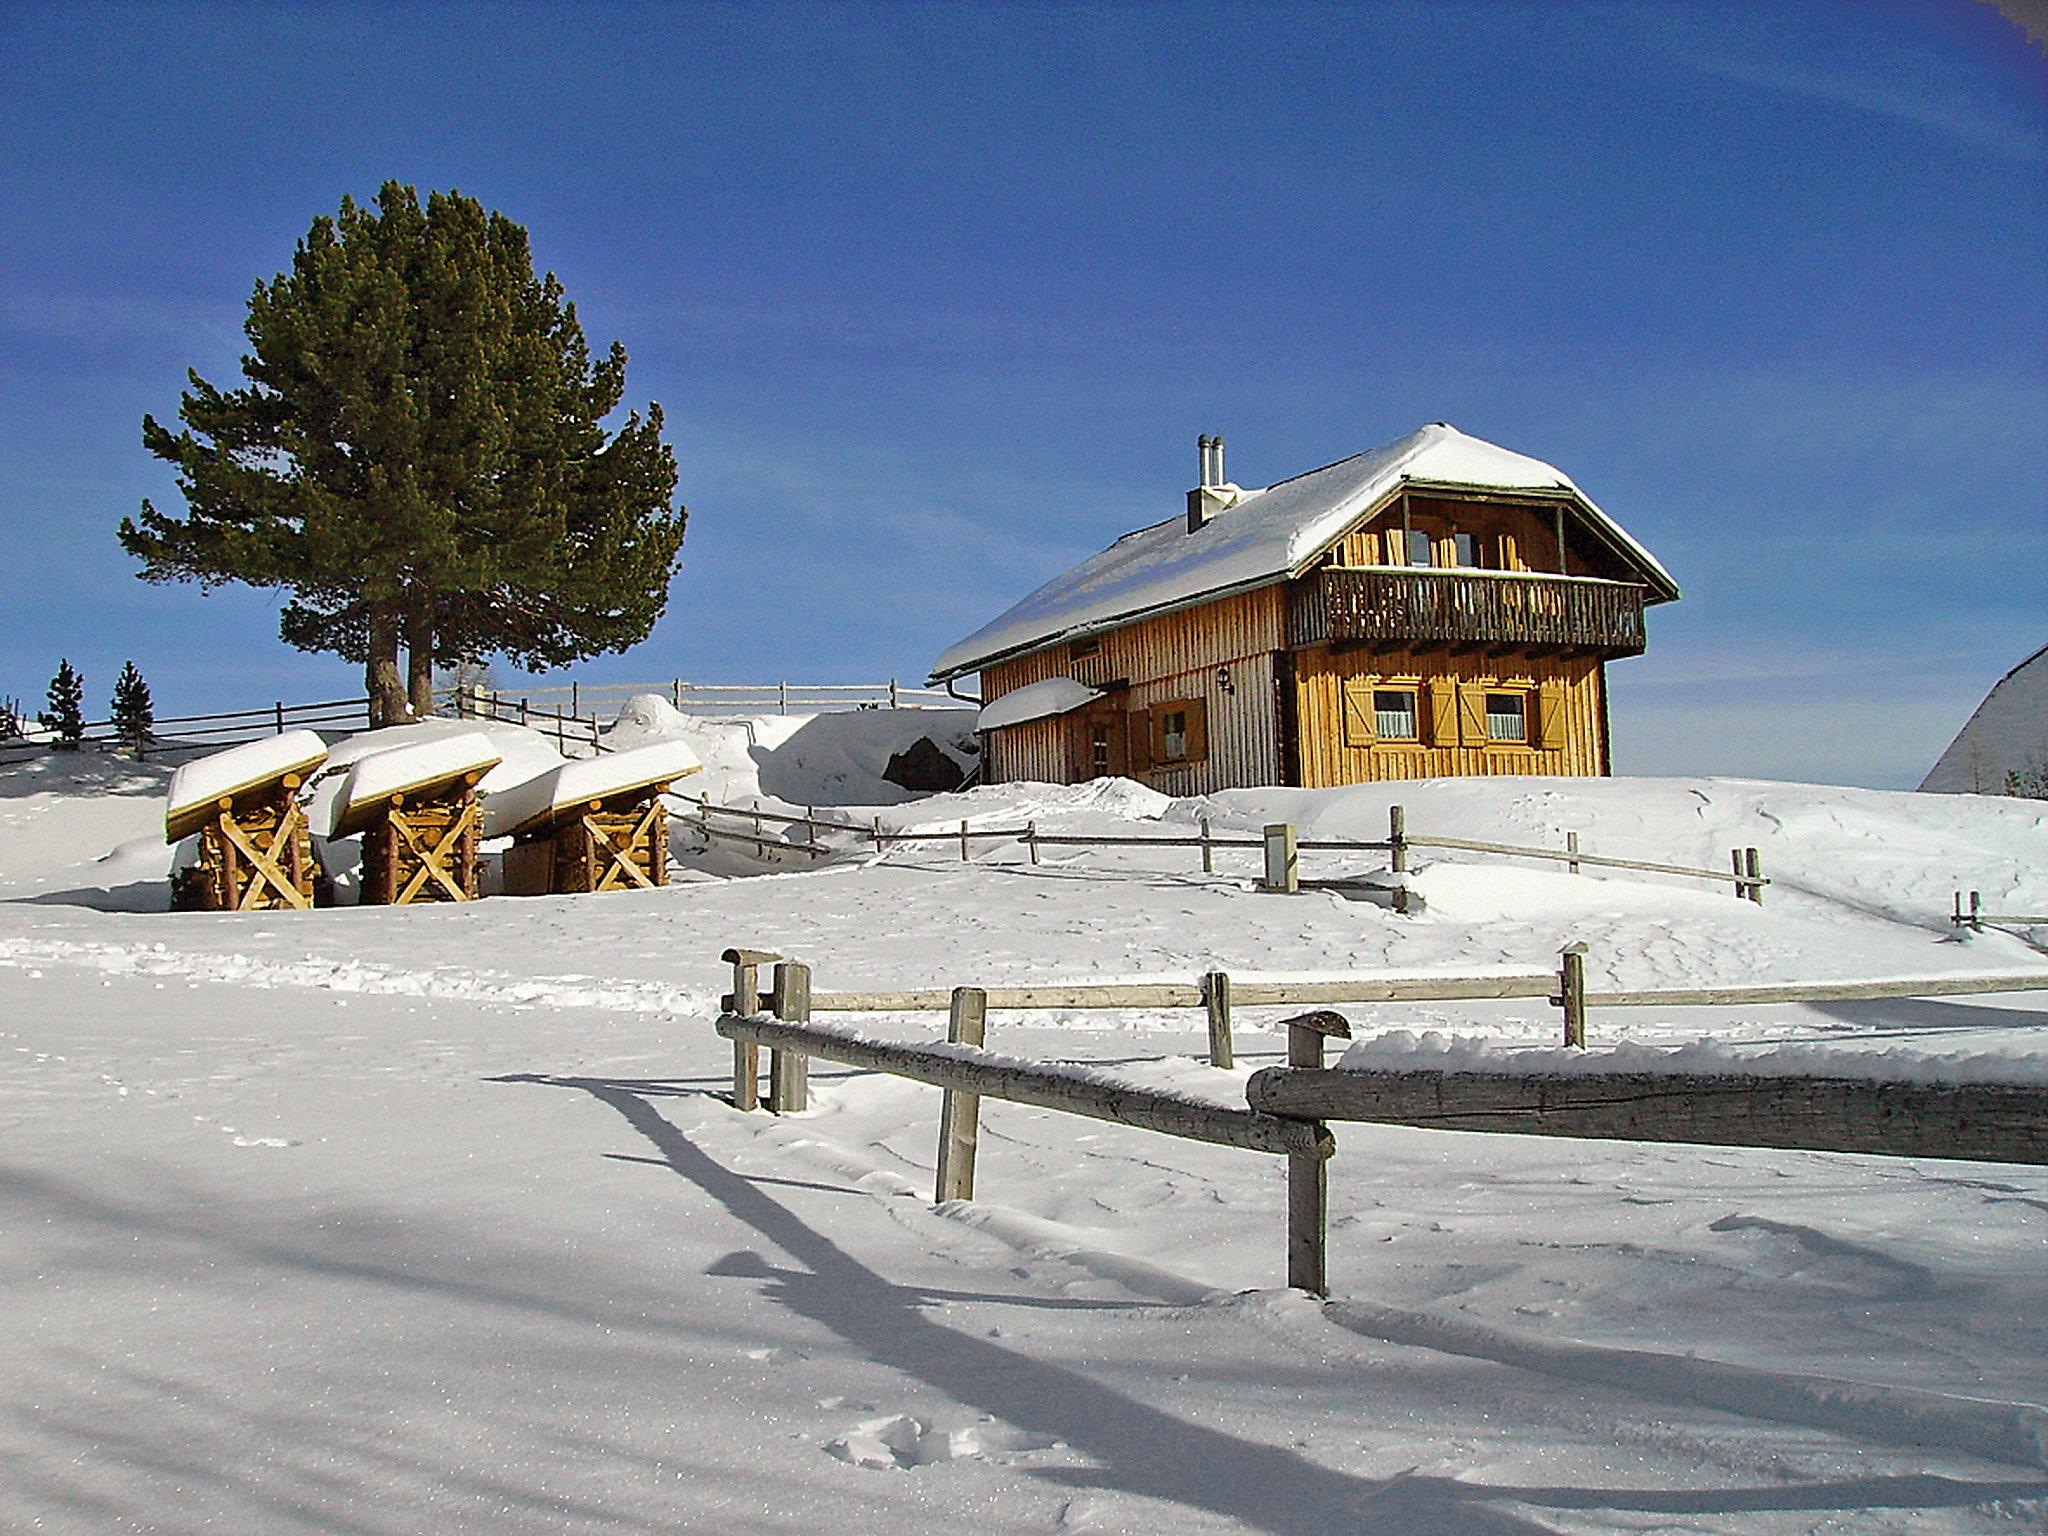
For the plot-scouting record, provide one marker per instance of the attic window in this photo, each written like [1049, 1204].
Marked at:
[1081, 650]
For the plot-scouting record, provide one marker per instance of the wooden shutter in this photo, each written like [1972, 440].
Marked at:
[1472, 714]
[1547, 731]
[1198, 730]
[1139, 730]
[1443, 712]
[1361, 727]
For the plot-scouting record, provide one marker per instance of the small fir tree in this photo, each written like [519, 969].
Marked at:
[133, 713]
[66, 714]
[11, 719]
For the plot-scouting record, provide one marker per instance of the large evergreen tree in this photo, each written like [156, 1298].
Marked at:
[133, 714]
[66, 714]
[418, 457]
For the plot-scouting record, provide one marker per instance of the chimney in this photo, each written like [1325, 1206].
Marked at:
[1214, 493]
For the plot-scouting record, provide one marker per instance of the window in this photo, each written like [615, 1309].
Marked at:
[1081, 650]
[1393, 713]
[1465, 548]
[1418, 547]
[1098, 751]
[1507, 717]
[1180, 732]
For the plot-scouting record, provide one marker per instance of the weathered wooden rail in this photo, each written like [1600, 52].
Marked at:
[1464, 607]
[1289, 1108]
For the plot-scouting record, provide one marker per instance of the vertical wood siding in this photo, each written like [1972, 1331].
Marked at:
[1320, 676]
[1511, 538]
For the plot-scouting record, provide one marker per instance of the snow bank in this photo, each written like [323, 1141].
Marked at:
[1036, 701]
[798, 760]
[196, 786]
[587, 779]
[424, 765]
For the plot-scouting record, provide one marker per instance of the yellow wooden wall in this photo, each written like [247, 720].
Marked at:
[1320, 675]
[1178, 656]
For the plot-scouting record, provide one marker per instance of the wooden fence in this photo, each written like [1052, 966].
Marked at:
[1288, 1109]
[1279, 842]
[226, 728]
[778, 698]
[1976, 919]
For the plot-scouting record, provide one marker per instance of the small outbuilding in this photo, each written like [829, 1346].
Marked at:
[596, 824]
[1439, 606]
[255, 849]
[420, 818]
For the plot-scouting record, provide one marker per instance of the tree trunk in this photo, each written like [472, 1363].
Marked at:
[419, 652]
[380, 669]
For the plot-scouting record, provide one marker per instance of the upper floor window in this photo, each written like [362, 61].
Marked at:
[1465, 550]
[1417, 552]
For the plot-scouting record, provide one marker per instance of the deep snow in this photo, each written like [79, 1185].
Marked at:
[433, 1220]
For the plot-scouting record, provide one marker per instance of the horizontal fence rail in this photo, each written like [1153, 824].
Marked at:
[220, 728]
[783, 698]
[1974, 1121]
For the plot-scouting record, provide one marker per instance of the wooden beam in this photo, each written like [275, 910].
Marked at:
[1976, 1122]
[1028, 1083]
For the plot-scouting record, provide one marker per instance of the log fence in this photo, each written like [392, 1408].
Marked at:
[1288, 1109]
[1976, 919]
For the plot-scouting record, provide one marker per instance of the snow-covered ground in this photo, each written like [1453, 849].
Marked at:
[433, 1219]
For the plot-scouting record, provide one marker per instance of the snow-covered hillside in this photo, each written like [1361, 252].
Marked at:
[433, 1219]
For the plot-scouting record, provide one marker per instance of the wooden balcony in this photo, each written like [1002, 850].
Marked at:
[1487, 610]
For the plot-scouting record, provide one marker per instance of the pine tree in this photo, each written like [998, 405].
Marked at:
[66, 714]
[133, 713]
[418, 456]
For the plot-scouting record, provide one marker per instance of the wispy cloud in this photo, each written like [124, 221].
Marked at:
[1909, 94]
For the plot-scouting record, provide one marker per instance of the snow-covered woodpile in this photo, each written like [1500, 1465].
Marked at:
[592, 825]
[255, 850]
[421, 821]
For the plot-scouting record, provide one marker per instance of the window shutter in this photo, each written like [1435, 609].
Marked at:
[1550, 720]
[1198, 730]
[1443, 712]
[1472, 714]
[1361, 729]
[1139, 730]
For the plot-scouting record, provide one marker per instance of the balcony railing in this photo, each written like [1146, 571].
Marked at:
[1485, 608]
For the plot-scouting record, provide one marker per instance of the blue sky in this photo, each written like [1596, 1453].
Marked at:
[937, 300]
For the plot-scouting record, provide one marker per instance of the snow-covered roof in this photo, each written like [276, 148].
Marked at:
[577, 783]
[2007, 733]
[198, 786]
[414, 770]
[1271, 534]
[1035, 701]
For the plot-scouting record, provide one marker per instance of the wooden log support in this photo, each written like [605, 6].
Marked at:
[960, 1112]
[1571, 848]
[1216, 999]
[1397, 854]
[1753, 866]
[1308, 1167]
[1983, 1122]
[1046, 1087]
[1031, 842]
[1283, 861]
[789, 1070]
[1208, 849]
[1571, 993]
[745, 1001]
[1735, 861]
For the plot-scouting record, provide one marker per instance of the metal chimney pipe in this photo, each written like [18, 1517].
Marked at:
[1216, 447]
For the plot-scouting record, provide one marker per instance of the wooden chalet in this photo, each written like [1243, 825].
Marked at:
[1440, 606]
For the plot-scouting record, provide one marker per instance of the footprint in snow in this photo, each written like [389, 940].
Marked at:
[900, 1442]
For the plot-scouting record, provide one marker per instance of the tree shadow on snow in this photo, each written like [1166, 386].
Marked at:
[1143, 1451]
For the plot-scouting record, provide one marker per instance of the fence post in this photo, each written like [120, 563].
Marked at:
[1208, 853]
[1735, 859]
[1031, 841]
[1308, 1172]
[1283, 861]
[878, 836]
[280, 717]
[1571, 845]
[963, 843]
[1571, 993]
[1976, 922]
[679, 693]
[960, 1113]
[575, 700]
[789, 1072]
[1216, 998]
[1753, 866]
[895, 699]
[783, 694]
[1397, 852]
[745, 1001]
